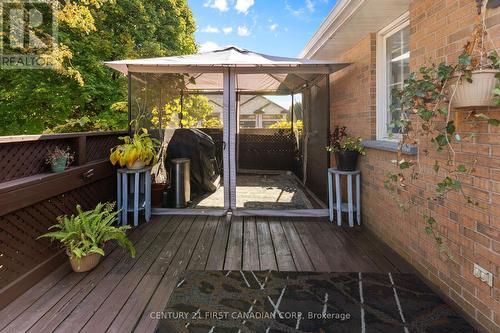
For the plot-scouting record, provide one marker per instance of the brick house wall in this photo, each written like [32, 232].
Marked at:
[439, 29]
[355, 97]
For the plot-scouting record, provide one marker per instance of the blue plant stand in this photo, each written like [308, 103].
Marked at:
[133, 194]
[340, 206]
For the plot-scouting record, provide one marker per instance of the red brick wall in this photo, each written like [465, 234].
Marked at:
[439, 29]
[353, 90]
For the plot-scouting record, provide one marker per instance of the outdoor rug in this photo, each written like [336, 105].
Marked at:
[270, 301]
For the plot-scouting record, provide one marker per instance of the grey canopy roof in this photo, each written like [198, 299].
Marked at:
[256, 72]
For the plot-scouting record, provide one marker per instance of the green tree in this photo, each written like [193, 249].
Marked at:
[83, 94]
[212, 123]
[194, 111]
[298, 125]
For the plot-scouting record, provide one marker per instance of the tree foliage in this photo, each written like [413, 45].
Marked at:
[80, 93]
[285, 124]
[188, 111]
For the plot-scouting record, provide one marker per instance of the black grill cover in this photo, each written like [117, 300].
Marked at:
[200, 149]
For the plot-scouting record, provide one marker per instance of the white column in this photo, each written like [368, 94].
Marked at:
[258, 120]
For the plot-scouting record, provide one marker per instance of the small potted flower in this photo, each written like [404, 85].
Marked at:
[345, 148]
[136, 152]
[84, 235]
[59, 159]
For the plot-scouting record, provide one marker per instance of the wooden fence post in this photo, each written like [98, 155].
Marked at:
[81, 150]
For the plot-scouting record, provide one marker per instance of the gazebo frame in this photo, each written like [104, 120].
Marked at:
[281, 75]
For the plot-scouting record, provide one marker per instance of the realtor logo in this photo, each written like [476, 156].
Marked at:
[28, 33]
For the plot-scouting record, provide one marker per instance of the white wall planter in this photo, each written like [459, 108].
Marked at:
[477, 93]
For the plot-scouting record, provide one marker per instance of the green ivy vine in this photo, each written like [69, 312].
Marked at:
[421, 112]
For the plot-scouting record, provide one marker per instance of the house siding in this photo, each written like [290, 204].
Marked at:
[439, 29]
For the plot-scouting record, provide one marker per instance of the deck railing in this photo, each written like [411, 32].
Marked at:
[31, 198]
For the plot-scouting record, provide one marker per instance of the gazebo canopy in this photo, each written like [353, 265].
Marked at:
[255, 72]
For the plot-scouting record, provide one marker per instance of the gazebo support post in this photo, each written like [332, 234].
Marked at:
[182, 109]
[328, 129]
[229, 135]
[129, 102]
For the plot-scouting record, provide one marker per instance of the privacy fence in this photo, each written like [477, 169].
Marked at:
[267, 149]
[31, 198]
[260, 148]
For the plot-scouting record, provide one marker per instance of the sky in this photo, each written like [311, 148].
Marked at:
[275, 27]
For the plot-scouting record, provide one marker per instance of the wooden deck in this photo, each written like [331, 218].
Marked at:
[121, 292]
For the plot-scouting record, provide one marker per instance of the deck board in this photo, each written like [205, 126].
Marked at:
[283, 254]
[340, 243]
[368, 250]
[299, 253]
[267, 256]
[313, 249]
[217, 254]
[251, 260]
[234, 245]
[200, 255]
[120, 294]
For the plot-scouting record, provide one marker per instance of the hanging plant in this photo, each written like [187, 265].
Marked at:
[425, 101]
[479, 72]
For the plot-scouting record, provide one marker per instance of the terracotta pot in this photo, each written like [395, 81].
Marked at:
[138, 164]
[347, 160]
[157, 193]
[84, 264]
[477, 93]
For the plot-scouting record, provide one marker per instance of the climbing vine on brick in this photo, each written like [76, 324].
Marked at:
[422, 114]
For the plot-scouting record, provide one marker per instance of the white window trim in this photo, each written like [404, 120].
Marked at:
[381, 73]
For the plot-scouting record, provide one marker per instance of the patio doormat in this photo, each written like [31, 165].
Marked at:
[270, 301]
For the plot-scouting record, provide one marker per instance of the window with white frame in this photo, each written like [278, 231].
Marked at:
[393, 56]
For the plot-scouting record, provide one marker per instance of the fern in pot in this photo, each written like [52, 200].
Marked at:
[84, 235]
[345, 148]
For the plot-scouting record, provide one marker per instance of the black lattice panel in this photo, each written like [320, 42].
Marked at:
[23, 159]
[20, 251]
[266, 149]
[98, 147]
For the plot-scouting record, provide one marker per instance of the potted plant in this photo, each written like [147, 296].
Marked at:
[136, 152]
[346, 149]
[477, 73]
[83, 235]
[59, 159]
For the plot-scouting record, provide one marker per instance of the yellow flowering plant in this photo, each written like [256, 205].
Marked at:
[140, 147]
